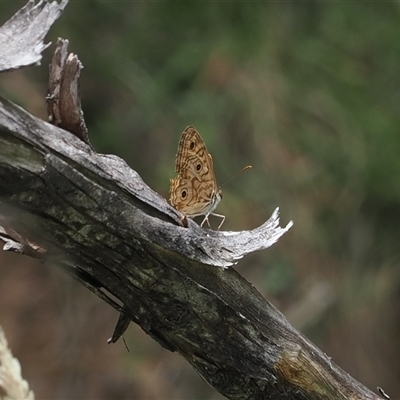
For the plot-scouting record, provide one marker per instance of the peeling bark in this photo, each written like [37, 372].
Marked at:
[21, 37]
[93, 216]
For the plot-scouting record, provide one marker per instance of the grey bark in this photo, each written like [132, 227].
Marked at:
[93, 216]
[21, 37]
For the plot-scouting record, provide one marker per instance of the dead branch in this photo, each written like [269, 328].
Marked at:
[93, 216]
[21, 37]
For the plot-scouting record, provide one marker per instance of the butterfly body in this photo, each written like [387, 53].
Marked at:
[194, 191]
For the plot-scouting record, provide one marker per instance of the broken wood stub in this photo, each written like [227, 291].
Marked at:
[63, 96]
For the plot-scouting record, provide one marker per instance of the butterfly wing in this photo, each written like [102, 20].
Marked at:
[194, 191]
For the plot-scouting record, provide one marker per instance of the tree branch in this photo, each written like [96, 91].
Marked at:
[21, 37]
[93, 216]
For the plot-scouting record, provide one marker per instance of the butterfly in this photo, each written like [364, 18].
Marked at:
[194, 191]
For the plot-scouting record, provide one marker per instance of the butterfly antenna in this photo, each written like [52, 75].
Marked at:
[234, 176]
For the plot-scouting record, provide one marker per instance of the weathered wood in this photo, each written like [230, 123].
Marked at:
[63, 96]
[93, 216]
[21, 37]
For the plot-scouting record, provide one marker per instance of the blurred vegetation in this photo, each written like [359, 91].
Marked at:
[309, 94]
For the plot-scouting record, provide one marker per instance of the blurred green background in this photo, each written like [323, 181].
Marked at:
[308, 93]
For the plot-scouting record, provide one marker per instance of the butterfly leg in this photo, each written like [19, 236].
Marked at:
[215, 215]
[221, 216]
[204, 220]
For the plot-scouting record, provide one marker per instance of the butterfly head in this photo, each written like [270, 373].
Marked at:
[215, 199]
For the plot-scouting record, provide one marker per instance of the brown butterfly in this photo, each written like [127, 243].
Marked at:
[195, 191]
